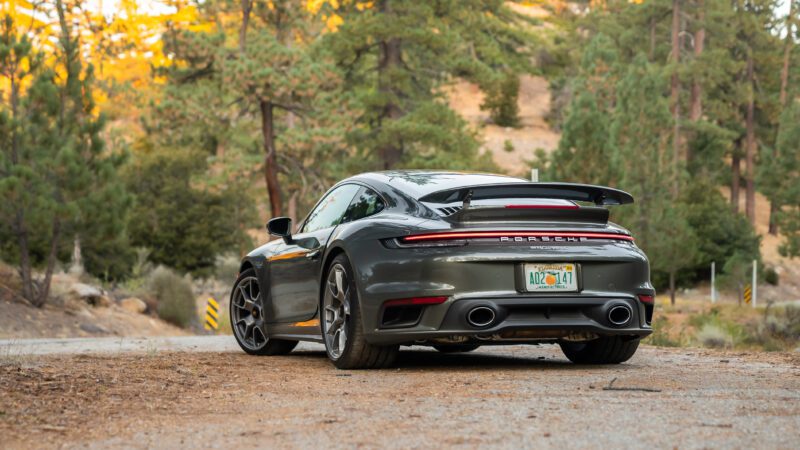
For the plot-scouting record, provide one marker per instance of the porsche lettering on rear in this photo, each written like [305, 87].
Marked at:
[543, 239]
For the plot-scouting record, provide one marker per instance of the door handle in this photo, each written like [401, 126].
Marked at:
[314, 254]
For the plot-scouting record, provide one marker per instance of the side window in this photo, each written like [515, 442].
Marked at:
[366, 203]
[331, 209]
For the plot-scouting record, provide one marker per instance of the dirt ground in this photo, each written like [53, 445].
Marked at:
[495, 397]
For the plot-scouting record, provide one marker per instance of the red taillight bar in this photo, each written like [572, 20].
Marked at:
[542, 206]
[498, 234]
[415, 301]
[646, 298]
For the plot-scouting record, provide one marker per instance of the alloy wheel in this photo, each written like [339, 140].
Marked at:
[336, 310]
[247, 314]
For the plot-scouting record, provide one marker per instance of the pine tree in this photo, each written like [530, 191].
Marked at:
[258, 80]
[783, 173]
[54, 172]
[642, 133]
[397, 55]
[585, 145]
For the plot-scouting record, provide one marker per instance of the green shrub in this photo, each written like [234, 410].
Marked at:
[771, 276]
[174, 295]
[182, 222]
[714, 336]
[723, 236]
[660, 336]
[716, 331]
[501, 101]
[226, 268]
[784, 323]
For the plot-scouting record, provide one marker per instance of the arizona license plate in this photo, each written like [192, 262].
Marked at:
[551, 277]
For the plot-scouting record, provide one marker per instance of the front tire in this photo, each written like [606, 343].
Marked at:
[603, 350]
[341, 324]
[247, 318]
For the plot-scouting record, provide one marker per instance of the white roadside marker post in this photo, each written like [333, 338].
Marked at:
[713, 282]
[535, 175]
[755, 281]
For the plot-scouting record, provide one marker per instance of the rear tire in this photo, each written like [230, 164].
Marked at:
[248, 321]
[340, 314]
[604, 350]
[456, 348]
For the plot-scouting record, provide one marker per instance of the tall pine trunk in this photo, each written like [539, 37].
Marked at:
[18, 225]
[787, 52]
[391, 153]
[672, 287]
[675, 91]
[41, 298]
[267, 128]
[750, 145]
[736, 174]
[270, 158]
[696, 106]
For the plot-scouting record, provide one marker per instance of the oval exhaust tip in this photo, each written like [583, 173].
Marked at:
[481, 316]
[619, 315]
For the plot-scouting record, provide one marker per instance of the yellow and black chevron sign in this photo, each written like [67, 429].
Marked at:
[748, 293]
[212, 315]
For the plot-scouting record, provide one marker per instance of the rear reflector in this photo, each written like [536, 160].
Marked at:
[542, 206]
[415, 301]
[646, 298]
[513, 234]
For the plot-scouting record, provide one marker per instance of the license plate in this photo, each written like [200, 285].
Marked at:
[551, 277]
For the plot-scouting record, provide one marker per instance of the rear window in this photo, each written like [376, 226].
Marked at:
[366, 203]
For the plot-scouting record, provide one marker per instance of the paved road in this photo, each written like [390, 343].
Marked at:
[202, 392]
[113, 345]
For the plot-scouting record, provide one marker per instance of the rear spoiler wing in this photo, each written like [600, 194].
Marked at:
[598, 195]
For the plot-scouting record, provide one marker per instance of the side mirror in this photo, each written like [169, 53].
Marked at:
[281, 227]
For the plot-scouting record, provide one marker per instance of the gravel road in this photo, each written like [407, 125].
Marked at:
[202, 392]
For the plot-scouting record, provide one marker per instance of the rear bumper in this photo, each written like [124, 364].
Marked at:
[521, 319]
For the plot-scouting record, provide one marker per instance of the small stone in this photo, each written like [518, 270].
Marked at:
[93, 329]
[134, 305]
[89, 294]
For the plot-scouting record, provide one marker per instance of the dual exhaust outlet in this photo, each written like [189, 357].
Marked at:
[618, 315]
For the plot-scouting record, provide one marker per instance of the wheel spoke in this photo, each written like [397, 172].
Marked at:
[346, 303]
[336, 325]
[330, 314]
[245, 295]
[258, 334]
[339, 275]
[332, 289]
[251, 287]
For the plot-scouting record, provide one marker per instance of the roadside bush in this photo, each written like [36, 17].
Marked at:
[717, 330]
[184, 223]
[226, 268]
[501, 101]
[174, 295]
[714, 336]
[784, 323]
[722, 235]
[771, 276]
[660, 336]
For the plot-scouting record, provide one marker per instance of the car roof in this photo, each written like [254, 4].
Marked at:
[419, 183]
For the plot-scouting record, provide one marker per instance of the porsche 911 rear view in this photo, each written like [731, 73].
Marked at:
[449, 260]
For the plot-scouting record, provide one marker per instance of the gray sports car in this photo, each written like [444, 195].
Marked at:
[449, 260]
